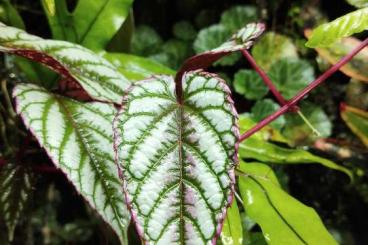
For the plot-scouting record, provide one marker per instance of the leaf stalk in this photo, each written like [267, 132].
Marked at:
[285, 108]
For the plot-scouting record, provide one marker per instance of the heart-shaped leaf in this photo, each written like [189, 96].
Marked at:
[291, 75]
[16, 183]
[249, 84]
[91, 24]
[272, 47]
[177, 159]
[282, 218]
[78, 139]
[76, 64]
[347, 25]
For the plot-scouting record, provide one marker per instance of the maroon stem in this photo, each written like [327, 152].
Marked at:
[289, 104]
[264, 77]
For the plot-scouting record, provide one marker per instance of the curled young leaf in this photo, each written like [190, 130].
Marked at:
[78, 139]
[76, 64]
[177, 159]
[242, 39]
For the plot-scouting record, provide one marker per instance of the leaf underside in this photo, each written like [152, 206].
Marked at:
[78, 138]
[76, 64]
[177, 160]
[16, 188]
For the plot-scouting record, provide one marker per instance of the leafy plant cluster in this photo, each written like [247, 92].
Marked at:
[174, 136]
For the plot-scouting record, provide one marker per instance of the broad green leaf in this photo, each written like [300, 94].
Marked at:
[78, 138]
[357, 120]
[257, 147]
[347, 25]
[92, 24]
[264, 108]
[271, 48]
[283, 219]
[299, 133]
[135, 67]
[357, 68]
[291, 75]
[76, 64]
[212, 37]
[16, 183]
[177, 160]
[236, 17]
[246, 122]
[249, 84]
[10, 15]
[232, 232]
[264, 151]
[358, 3]
[146, 41]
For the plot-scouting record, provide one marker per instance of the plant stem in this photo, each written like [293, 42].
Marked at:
[264, 77]
[304, 92]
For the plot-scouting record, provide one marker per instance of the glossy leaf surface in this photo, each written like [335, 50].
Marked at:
[76, 64]
[258, 148]
[78, 139]
[283, 219]
[92, 24]
[347, 25]
[357, 120]
[16, 183]
[177, 160]
[358, 3]
[232, 232]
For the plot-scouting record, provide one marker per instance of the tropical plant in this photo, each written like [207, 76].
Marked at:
[180, 159]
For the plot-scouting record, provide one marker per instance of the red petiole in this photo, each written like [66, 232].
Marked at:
[292, 102]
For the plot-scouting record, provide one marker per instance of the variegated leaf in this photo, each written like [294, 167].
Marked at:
[76, 64]
[78, 138]
[242, 39]
[15, 190]
[177, 160]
